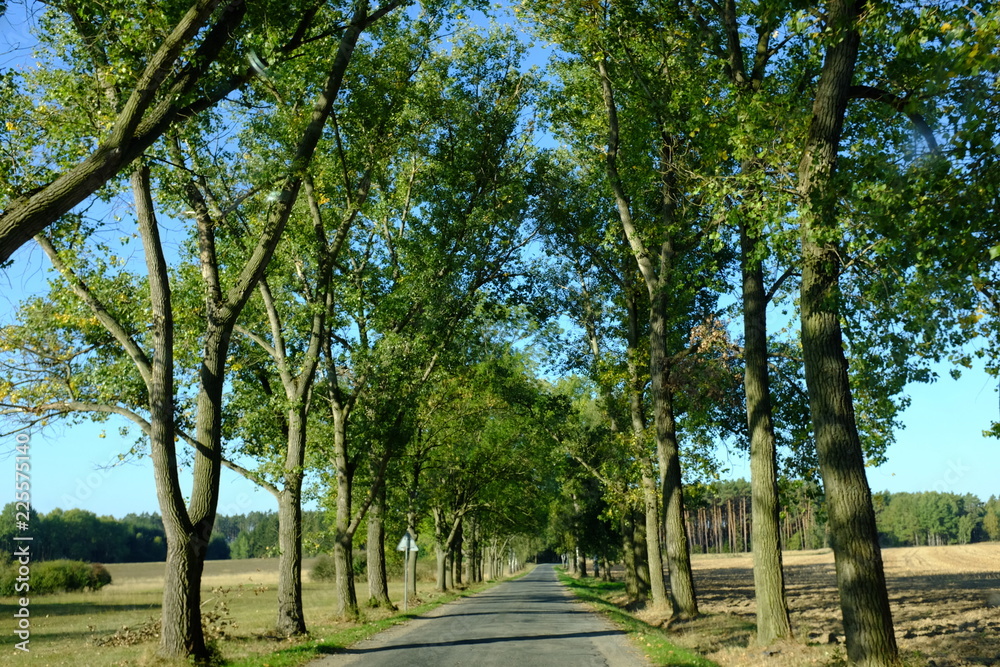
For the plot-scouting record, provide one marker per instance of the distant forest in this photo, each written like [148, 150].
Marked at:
[718, 520]
[718, 517]
[138, 538]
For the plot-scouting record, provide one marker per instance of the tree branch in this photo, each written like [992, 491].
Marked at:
[899, 104]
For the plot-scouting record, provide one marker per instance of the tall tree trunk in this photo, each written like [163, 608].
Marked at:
[441, 555]
[769, 579]
[651, 502]
[628, 557]
[860, 578]
[186, 543]
[343, 536]
[678, 558]
[441, 546]
[182, 598]
[291, 619]
[410, 558]
[378, 580]
[457, 551]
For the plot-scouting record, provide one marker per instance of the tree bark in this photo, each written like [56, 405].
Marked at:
[769, 580]
[457, 554]
[343, 535]
[378, 580]
[864, 601]
[291, 619]
[678, 558]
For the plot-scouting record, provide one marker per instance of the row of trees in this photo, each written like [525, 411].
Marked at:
[833, 161]
[718, 517]
[337, 211]
[329, 200]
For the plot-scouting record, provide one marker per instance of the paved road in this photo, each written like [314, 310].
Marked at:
[532, 621]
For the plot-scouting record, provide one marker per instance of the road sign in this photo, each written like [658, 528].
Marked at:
[407, 543]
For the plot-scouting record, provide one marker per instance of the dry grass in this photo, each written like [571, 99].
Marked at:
[64, 627]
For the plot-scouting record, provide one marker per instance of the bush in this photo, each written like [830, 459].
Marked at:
[324, 569]
[99, 576]
[56, 576]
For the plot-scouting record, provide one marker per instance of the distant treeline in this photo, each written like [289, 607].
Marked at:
[139, 538]
[255, 534]
[80, 535]
[718, 521]
[718, 517]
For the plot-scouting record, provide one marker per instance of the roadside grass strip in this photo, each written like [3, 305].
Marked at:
[651, 640]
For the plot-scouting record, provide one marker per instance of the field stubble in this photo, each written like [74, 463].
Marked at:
[945, 605]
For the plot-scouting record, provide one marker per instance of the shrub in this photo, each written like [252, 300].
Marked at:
[324, 569]
[99, 576]
[60, 575]
[56, 576]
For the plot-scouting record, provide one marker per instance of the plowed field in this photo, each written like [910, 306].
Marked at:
[945, 605]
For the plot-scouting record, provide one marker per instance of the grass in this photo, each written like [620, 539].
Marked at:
[650, 639]
[65, 627]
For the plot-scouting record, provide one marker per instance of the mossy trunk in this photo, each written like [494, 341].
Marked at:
[769, 581]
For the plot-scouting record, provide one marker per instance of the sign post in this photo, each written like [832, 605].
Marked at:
[407, 545]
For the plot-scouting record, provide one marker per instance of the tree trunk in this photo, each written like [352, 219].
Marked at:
[378, 580]
[769, 579]
[628, 557]
[457, 554]
[678, 558]
[343, 537]
[291, 620]
[442, 565]
[860, 578]
[183, 635]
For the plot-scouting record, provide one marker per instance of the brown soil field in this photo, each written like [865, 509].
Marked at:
[945, 605]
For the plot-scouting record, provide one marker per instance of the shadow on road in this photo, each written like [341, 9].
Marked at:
[476, 642]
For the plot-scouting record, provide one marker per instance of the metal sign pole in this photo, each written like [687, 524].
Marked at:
[407, 545]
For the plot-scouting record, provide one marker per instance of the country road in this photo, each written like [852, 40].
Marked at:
[531, 621]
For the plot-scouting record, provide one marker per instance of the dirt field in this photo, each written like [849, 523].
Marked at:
[945, 605]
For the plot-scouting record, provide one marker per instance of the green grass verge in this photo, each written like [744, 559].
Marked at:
[649, 639]
[332, 642]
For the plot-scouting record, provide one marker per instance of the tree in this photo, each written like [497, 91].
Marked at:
[441, 240]
[297, 299]
[189, 526]
[139, 82]
[860, 577]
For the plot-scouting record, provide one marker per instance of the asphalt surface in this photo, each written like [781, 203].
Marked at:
[531, 621]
